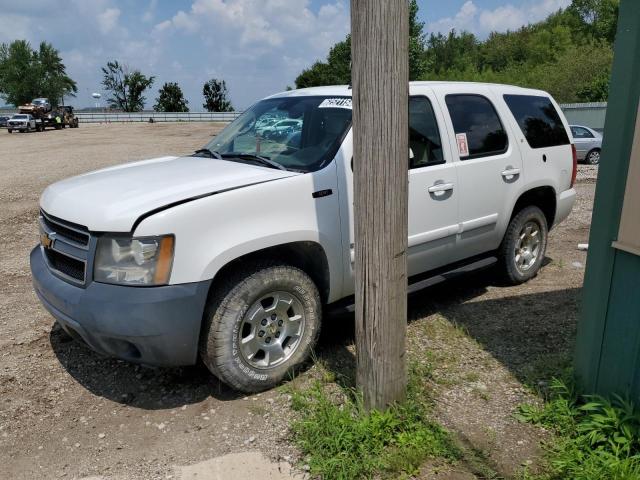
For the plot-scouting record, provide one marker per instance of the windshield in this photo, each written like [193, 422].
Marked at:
[20, 117]
[299, 133]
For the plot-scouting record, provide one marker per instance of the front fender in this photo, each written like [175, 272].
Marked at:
[213, 231]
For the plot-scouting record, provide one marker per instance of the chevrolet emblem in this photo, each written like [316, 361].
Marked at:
[46, 241]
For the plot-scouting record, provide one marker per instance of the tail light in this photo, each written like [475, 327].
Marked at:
[575, 165]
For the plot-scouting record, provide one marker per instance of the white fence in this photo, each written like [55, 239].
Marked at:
[99, 117]
[589, 114]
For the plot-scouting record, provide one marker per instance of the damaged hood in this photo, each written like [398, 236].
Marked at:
[112, 199]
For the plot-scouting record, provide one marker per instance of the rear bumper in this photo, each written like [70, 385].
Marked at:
[154, 325]
[564, 205]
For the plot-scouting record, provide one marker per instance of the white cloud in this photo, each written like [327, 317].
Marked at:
[150, 12]
[505, 17]
[266, 24]
[502, 18]
[463, 20]
[182, 21]
[108, 19]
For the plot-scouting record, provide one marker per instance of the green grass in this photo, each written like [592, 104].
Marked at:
[341, 440]
[596, 438]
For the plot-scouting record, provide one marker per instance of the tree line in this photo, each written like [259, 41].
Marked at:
[569, 54]
[26, 74]
[127, 89]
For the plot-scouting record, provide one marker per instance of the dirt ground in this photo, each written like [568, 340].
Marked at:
[66, 412]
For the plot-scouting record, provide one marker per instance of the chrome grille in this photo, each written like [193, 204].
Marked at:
[70, 231]
[66, 247]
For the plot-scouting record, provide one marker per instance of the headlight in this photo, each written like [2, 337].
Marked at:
[134, 261]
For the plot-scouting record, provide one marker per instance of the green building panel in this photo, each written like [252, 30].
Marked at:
[607, 357]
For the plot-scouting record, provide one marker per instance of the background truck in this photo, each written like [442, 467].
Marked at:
[47, 116]
[67, 116]
[39, 108]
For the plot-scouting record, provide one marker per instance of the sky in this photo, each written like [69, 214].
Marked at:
[257, 46]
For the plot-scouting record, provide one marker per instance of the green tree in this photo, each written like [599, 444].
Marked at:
[171, 99]
[216, 96]
[26, 74]
[417, 62]
[599, 17]
[561, 55]
[55, 84]
[126, 87]
[336, 70]
[568, 54]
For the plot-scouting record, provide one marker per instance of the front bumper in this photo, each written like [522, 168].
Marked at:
[151, 325]
[22, 126]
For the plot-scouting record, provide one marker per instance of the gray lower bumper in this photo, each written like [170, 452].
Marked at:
[152, 325]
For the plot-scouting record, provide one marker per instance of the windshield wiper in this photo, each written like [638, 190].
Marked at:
[266, 161]
[208, 153]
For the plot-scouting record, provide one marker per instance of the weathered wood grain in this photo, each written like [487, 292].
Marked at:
[380, 75]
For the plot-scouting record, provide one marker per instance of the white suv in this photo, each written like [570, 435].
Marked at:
[22, 122]
[232, 253]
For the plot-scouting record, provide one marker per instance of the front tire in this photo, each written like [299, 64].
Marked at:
[523, 246]
[260, 325]
[593, 157]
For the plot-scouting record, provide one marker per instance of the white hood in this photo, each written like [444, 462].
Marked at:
[112, 199]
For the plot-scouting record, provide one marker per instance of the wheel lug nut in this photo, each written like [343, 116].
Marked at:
[263, 322]
[261, 333]
[268, 340]
[277, 334]
[274, 316]
[280, 323]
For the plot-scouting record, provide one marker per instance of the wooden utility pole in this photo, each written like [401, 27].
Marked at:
[380, 79]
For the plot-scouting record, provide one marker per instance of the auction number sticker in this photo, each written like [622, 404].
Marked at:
[336, 103]
[463, 145]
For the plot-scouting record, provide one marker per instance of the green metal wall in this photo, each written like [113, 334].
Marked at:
[589, 114]
[607, 358]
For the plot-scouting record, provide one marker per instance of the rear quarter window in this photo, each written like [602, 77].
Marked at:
[538, 119]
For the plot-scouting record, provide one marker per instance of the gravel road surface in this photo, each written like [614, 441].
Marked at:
[66, 412]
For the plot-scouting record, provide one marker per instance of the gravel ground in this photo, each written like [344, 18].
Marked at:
[66, 412]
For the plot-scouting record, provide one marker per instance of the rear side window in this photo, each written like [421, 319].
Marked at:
[538, 119]
[476, 118]
[579, 132]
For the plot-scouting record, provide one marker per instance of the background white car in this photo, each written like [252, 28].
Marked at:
[588, 144]
[282, 129]
[22, 122]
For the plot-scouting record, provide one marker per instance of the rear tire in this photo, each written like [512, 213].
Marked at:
[9, 130]
[261, 323]
[523, 246]
[593, 157]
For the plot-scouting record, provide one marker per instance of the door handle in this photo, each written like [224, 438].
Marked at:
[440, 187]
[511, 172]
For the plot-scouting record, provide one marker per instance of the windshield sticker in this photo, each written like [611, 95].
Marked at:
[463, 145]
[336, 103]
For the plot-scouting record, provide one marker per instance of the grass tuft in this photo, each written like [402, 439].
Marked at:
[341, 440]
[596, 439]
